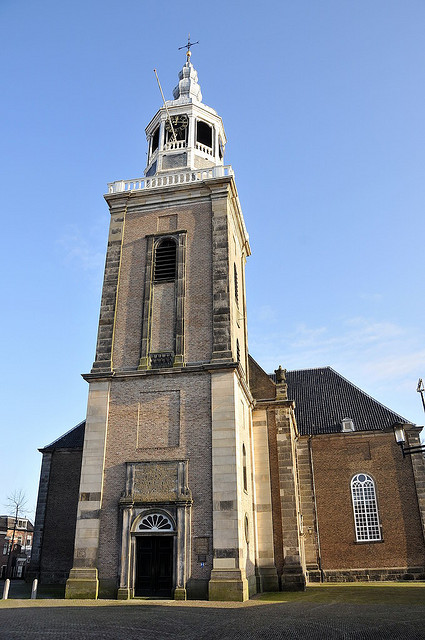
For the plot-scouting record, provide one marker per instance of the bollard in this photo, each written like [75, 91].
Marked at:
[6, 589]
[34, 589]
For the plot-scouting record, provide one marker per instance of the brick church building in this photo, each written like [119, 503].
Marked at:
[195, 473]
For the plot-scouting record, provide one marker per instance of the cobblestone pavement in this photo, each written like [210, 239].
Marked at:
[147, 620]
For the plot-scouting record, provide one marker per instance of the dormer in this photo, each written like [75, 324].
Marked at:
[185, 133]
[347, 425]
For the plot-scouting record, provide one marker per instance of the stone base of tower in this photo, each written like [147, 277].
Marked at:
[293, 578]
[267, 579]
[82, 584]
[228, 585]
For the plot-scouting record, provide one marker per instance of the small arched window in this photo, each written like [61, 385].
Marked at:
[245, 476]
[365, 508]
[165, 260]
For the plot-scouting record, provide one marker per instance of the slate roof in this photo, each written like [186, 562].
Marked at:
[323, 398]
[72, 439]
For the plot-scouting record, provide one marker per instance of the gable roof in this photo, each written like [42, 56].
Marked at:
[323, 398]
[72, 439]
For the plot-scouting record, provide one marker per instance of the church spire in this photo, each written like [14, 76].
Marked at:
[188, 88]
[185, 133]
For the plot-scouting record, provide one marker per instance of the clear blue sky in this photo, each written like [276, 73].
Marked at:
[323, 108]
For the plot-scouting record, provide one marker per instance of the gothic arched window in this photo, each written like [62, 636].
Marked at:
[165, 260]
[365, 508]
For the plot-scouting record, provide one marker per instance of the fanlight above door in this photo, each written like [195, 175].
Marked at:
[156, 522]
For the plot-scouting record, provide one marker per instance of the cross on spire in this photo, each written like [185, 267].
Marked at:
[187, 46]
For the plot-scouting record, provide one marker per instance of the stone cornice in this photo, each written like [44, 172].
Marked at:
[134, 373]
[272, 403]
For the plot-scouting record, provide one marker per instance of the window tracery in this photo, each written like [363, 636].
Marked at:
[365, 508]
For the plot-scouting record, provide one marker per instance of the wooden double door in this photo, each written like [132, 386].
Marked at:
[154, 566]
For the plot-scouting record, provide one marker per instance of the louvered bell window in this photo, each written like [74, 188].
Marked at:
[165, 261]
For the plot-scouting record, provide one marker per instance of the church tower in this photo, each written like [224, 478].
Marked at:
[166, 500]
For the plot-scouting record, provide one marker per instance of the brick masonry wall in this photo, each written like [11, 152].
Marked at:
[194, 444]
[261, 386]
[163, 317]
[194, 217]
[336, 459]
[60, 518]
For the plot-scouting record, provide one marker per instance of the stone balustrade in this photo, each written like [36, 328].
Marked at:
[204, 148]
[183, 176]
[172, 145]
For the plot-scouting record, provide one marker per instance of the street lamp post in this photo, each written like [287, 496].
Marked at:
[421, 390]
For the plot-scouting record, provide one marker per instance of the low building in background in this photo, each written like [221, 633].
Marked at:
[16, 538]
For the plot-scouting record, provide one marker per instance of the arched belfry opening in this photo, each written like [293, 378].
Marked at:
[163, 311]
[165, 260]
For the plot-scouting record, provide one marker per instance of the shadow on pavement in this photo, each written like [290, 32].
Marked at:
[312, 621]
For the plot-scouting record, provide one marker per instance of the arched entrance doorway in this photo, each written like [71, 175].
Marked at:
[156, 503]
[154, 554]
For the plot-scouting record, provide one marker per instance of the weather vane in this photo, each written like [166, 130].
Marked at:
[187, 46]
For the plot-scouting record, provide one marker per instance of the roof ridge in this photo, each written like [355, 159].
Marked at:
[63, 435]
[371, 398]
[310, 369]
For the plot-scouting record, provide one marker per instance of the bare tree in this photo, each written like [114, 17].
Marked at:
[16, 503]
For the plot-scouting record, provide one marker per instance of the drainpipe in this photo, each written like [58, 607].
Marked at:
[319, 553]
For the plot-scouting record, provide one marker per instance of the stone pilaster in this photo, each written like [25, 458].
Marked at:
[228, 578]
[266, 569]
[125, 590]
[40, 515]
[144, 349]
[307, 505]
[180, 296]
[103, 358]
[418, 466]
[293, 576]
[83, 578]
[222, 341]
[183, 529]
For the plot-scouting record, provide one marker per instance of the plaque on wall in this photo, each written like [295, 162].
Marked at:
[157, 482]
